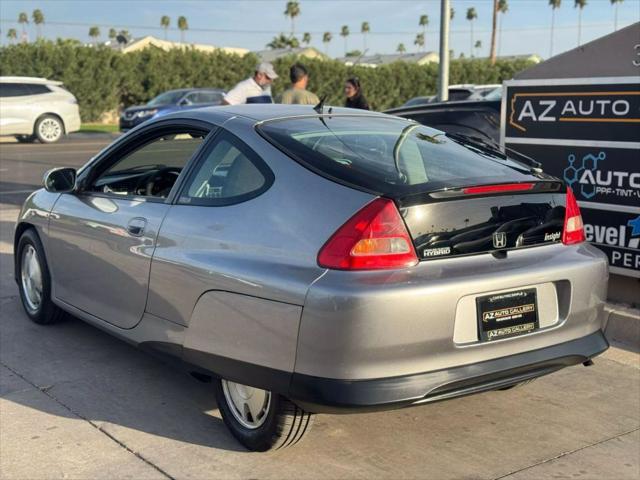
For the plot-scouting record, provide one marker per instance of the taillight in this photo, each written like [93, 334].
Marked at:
[374, 238]
[573, 231]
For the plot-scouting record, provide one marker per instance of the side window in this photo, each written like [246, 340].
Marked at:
[209, 97]
[38, 89]
[151, 169]
[14, 90]
[230, 172]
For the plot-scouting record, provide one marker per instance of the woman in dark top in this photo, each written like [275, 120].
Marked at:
[353, 91]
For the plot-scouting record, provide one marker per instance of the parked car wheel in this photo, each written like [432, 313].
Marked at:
[34, 281]
[25, 138]
[49, 129]
[259, 419]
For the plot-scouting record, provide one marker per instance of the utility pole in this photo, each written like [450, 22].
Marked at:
[443, 68]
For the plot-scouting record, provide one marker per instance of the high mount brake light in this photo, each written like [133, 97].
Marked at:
[573, 231]
[499, 188]
[374, 238]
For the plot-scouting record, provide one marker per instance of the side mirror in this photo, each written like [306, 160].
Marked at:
[60, 180]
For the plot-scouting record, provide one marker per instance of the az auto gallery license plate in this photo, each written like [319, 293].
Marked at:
[507, 314]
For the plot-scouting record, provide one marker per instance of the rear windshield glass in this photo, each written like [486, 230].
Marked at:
[388, 155]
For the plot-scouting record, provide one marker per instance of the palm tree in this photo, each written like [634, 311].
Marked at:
[478, 44]
[452, 13]
[344, 33]
[554, 4]
[364, 29]
[123, 37]
[292, 11]
[94, 32]
[112, 34]
[401, 48]
[579, 4]
[494, 24]
[503, 7]
[182, 25]
[306, 38]
[423, 22]
[419, 41]
[326, 38]
[23, 19]
[471, 16]
[615, 17]
[165, 21]
[38, 19]
[12, 35]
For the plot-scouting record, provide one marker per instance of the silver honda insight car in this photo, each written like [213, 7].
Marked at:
[317, 260]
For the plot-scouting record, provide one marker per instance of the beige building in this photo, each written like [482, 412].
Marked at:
[137, 44]
[421, 58]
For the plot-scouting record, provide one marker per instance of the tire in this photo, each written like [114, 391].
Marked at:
[25, 138]
[49, 129]
[30, 262]
[282, 424]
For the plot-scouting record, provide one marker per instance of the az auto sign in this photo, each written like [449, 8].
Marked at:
[574, 112]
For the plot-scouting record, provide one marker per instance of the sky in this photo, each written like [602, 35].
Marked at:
[252, 24]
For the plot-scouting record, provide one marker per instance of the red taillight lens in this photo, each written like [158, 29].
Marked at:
[374, 238]
[499, 188]
[573, 231]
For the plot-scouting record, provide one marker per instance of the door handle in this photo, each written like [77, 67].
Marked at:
[136, 226]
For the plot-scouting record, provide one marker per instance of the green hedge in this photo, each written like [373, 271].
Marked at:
[104, 79]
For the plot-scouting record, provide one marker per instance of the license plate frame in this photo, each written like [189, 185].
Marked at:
[507, 314]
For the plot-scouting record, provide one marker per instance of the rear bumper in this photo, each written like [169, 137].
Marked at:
[326, 395]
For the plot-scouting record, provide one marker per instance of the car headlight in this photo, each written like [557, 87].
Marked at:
[147, 113]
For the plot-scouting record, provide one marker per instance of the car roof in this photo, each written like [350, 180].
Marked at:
[36, 80]
[268, 111]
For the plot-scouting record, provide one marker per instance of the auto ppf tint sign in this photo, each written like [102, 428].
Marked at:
[574, 112]
[595, 174]
[587, 132]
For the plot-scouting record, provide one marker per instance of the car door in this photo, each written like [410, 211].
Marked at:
[15, 116]
[102, 238]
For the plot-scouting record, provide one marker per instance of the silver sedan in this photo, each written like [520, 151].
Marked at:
[317, 260]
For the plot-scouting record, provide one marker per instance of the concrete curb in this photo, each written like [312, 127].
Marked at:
[623, 324]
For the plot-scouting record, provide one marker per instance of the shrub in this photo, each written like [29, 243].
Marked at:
[104, 79]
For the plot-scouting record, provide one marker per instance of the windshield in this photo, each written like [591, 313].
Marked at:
[389, 155]
[166, 98]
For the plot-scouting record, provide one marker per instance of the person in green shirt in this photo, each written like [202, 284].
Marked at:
[298, 92]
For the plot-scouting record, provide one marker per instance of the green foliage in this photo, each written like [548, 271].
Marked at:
[104, 79]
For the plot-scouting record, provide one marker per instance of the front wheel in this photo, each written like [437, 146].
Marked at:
[259, 419]
[34, 281]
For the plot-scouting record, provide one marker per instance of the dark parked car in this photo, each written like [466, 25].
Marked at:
[474, 118]
[169, 102]
[461, 92]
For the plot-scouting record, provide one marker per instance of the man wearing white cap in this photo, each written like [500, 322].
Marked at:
[256, 89]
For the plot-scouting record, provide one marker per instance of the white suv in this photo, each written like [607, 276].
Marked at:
[36, 108]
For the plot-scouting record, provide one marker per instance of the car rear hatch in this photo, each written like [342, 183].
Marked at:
[456, 196]
[484, 218]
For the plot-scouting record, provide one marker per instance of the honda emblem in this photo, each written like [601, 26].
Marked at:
[499, 240]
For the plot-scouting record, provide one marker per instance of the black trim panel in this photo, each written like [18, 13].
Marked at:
[324, 395]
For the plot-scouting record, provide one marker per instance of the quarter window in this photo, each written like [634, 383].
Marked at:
[230, 173]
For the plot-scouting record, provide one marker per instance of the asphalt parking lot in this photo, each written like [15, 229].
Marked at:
[78, 403]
